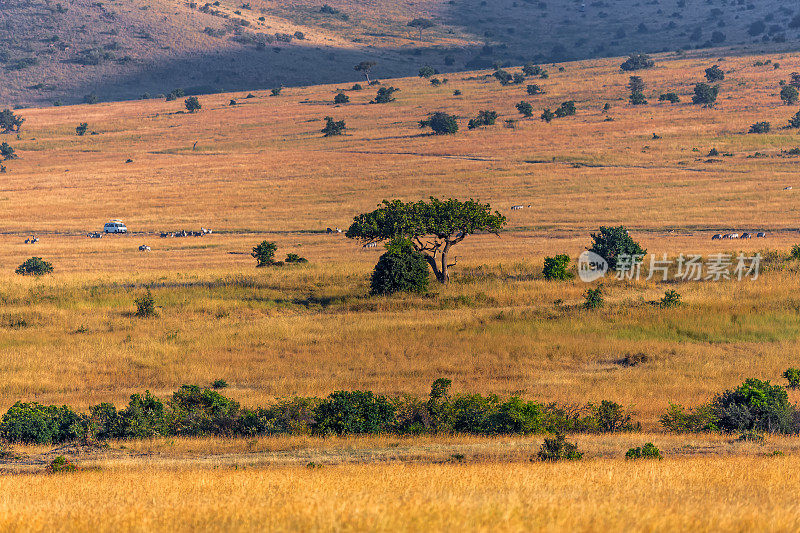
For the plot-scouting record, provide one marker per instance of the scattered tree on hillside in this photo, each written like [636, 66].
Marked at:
[333, 127]
[503, 77]
[440, 123]
[341, 98]
[705, 94]
[714, 74]
[400, 269]
[264, 253]
[669, 97]
[636, 86]
[789, 94]
[384, 95]
[525, 109]
[534, 90]
[547, 115]
[532, 70]
[81, 129]
[432, 227]
[10, 122]
[760, 127]
[275, 91]
[421, 24]
[637, 62]
[427, 71]
[794, 122]
[794, 79]
[566, 109]
[7, 152]
[612, 242]
[365, 67]
[484, 118]
[192, 104]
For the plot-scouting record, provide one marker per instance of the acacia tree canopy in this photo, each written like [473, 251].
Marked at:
[433, 227]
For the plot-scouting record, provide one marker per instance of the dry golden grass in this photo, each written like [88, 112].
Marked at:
[697, 494]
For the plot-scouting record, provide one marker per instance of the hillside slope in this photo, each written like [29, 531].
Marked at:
[63, 52]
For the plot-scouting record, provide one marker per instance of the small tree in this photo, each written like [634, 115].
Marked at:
[440, 123]
[534, 90]
[637, 62]
[792, 375]
[636, 84]
[558, 449]
[547, 115]
[365, 67]
[789, 94]
[714, 74]
[669, 97]
[400, 269]
[81, 128]
[760, 127]
[10, 122]
[432, 227]
[794, 122]
[705, 94]
[421, 24]
[341, 98]
[385, 95]
[612, 242]
[637, 99]
[525, 109]
[484, 118]
[192, 104]
[565, 109]
[427, 71]
[275, 91]
[7, 152]
[532, 70]
[333, 127]
[555, 268]
[35, 266]
[145, 305]
[503, 77]
[264, 253]
[593, 298]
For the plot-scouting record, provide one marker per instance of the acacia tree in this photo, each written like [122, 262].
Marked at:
[365, 67]
[421, 24]
[433, 227]
[9, 121]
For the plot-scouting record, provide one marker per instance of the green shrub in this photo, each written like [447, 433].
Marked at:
[142, 418]
[81, 128]
[385, 95]
[792, 375]
[794, 122]
[612, 242]
[637, 62]
[637, 98]
[608, 417]
[440, 123]
[565, 109]
[35, 266]
[795, 253]
[33, 423]
[714, 74]
[534, 90]
[760, 127]
[352, 413]
[669, 97]
[671, 299]
[400, 269]
[175, 94]
[503, 77]
[194, 411]
[593, 298]
[705, 94]
[750, 436]
[61, 465]
[547, 115]
[789, 94]
[679, 420]
[557, 449]
[648, 451]
[264, 253]
[276, 91]
[341, 98]
[10, 122]
[484, 118]
[7, 152]
[192, 104]
[525, 109]
[145, 305]
[555, 268]
[532, 70]
[295, 259]
[427, 71]
[219, 384]
[333, 127]
[755, 405]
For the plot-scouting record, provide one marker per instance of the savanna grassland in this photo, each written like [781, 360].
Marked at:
[261, 169]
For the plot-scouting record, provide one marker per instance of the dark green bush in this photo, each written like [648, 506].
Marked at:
[612, 242]
[427, 71]
[525, 109]
[792, 375]
[547, 115]
[557, 449]
[333, 127]
[705, 94]
[81, 128]
[637, 62]
[145, 305]
[194, 411]
[7, 152]
[61, 465]
[353, 412]
[34, 423]
[714, 74]
[679, 420]
[671, 299]
[669, 97]
[341, 98]
[484, 118]
[593, 298]
[648, 451]
[794, 122]
[295, 259]
[608, 417]
[555, 268]
[35, 266]
[534, 90]
[565, 109]
[440, 123]
[400, 269]
[192, 104]
[637, 98]
[789, 94]
[503, 77]
[755, 405]
[144, 417]
[385, 95]
[219, 384]
[10, 122]
[760, 127]
[264, 253]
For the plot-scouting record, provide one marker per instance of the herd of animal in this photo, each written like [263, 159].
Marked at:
[758, 235]
[184, 233]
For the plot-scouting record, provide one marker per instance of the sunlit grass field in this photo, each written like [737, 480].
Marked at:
[261, 169]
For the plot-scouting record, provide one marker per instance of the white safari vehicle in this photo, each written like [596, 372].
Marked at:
[115, 226]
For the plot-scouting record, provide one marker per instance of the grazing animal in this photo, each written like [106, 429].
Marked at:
[787, 188]
[716, 237]
[371, 245]
[328, 230]
[515, 207]
[745, 236]
[760, 234]
[144, 248]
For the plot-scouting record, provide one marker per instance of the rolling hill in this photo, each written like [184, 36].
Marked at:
[80, 50]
